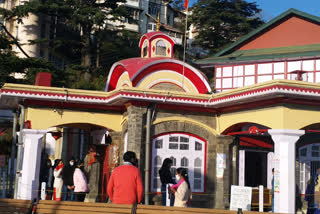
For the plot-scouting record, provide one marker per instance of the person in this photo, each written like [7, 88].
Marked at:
[92, 171]
[46, 175]
[309, 197]
[181, 190]
[272, 191]
[80, 182]
[317, 192]
[58, 182]
[125, 185]
[166, 178]
[67, 177]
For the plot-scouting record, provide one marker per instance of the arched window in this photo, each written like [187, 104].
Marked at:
[185, 150]
[156, 168]
[161, 48]
[184, 162]
[174, 166]
[197, 173]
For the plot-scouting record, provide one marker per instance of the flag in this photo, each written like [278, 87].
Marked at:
[186, 2]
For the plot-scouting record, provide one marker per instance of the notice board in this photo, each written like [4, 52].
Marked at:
[241, 198]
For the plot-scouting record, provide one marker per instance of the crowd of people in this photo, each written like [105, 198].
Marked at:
[65, 182]
[125, 185]
[68, 182]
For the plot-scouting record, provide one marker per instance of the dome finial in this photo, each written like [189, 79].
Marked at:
[158, 22]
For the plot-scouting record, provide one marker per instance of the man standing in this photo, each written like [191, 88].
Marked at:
[125, 185]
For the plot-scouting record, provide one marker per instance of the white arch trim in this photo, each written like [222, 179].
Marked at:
[168, 80]
[197, 72]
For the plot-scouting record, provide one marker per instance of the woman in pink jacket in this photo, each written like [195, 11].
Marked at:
[80, 182]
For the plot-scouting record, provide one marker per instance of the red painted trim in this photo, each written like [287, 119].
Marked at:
[116, 73]
[54, 104]
[173, 66]
[205, 154]
[248, 132]
[167, 82]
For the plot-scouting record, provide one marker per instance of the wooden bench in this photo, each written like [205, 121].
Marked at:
[64, 207]
[267, 198]
[15, 206]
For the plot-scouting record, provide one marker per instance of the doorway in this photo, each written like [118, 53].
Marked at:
[256, 168]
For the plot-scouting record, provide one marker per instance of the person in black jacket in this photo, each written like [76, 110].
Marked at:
[46, 175]
[67, 177]
[166, 178]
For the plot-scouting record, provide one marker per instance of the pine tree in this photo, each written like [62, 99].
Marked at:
[221, 22]
[79, 17]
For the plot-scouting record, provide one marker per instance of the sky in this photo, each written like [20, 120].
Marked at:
[273, 8]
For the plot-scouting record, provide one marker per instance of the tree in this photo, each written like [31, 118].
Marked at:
[220, 22]
[11, 64]
[81, 16]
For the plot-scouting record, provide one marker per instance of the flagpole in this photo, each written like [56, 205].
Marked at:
[184, 44]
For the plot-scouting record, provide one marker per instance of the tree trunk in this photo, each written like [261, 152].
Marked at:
[86, 54]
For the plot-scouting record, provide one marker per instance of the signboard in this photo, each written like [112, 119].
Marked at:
[2, 160]
[241, 198]
[221, 165]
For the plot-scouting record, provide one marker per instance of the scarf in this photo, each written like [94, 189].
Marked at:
[59, 167]
[92, 158]
[178, 184]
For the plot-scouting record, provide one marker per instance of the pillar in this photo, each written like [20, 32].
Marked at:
[242, 167]
[31, 158]
[223, 183]
[284, 172]
[136, 131]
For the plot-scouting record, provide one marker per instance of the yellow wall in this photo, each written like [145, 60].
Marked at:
[124, 80]
[165, 76]
[43, 118]
[277, 117]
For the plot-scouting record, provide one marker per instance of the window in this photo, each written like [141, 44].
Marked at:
[156, 177]
[173, 146]
[161, 48]
[315, 151]
[185, 151]
[303, 152]
[158, 144]
[149, 26]
[198, 146]
[173, 168]
[197, 173]
[154, 9]
[184, 162]
[145, 51]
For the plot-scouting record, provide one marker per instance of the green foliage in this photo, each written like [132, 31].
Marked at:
[10, 63]
[221, 22]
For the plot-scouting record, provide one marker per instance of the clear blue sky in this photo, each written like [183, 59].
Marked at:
[273, 8]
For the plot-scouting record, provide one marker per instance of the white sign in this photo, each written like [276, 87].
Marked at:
[241, 198]
[221, 161]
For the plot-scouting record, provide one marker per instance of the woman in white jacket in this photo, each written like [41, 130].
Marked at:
[80, 182]
[181, 190]
[58, 182]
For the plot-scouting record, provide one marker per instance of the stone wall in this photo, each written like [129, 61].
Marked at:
[217, 190]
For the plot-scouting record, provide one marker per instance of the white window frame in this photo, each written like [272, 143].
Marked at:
[191, 155]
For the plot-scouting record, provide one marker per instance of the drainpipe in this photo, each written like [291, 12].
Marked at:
[13, 150]
[20, 147]
[147, 159]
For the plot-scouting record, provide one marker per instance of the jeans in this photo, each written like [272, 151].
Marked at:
[163, 194]
[67, 194]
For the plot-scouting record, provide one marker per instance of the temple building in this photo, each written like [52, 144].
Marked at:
[264, 114]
